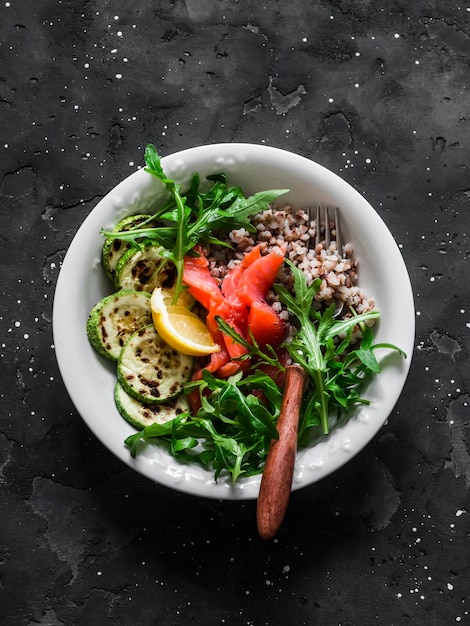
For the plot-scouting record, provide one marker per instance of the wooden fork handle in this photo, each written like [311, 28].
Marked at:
[276, 482]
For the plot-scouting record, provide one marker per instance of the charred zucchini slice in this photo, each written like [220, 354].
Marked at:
[115, 318]
[143, 270]
[140, 415]
[150, 370]
[114, 248]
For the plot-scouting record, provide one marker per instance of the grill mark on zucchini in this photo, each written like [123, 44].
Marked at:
[150, 370]
[145, 269]
[140, 415]
[115, 318]
[114, 248]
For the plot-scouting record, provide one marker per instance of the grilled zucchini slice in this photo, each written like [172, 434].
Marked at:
[150, 370]
[145, 269]
[114, 248]
[140, 415]
[115, 318]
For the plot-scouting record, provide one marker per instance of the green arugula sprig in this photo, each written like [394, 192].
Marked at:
[337, 371]
[194, 216]
[232, 429]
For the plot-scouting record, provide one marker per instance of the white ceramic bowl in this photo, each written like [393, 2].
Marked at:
[90, 380]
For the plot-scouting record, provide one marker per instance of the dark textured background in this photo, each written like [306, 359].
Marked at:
[376, 91]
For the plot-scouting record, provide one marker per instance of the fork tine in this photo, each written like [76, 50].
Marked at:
[339, 303]
[327, 235]
[339, 241]
[327, 229]
[317, 227]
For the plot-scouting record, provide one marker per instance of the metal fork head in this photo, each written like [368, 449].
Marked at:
[340, 305]
[327, 236]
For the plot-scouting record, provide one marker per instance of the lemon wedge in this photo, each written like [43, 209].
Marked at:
[179, 327]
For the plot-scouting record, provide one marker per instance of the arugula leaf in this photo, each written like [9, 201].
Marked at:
[231, 431]
[191, 217]
[334, 379]
[180, 248]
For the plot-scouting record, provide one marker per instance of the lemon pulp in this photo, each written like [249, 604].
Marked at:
[179, 327]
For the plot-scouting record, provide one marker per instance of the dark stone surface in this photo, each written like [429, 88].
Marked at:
[377, 92]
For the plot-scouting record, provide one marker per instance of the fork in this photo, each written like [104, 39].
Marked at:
[339, 242]
[276, 481]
